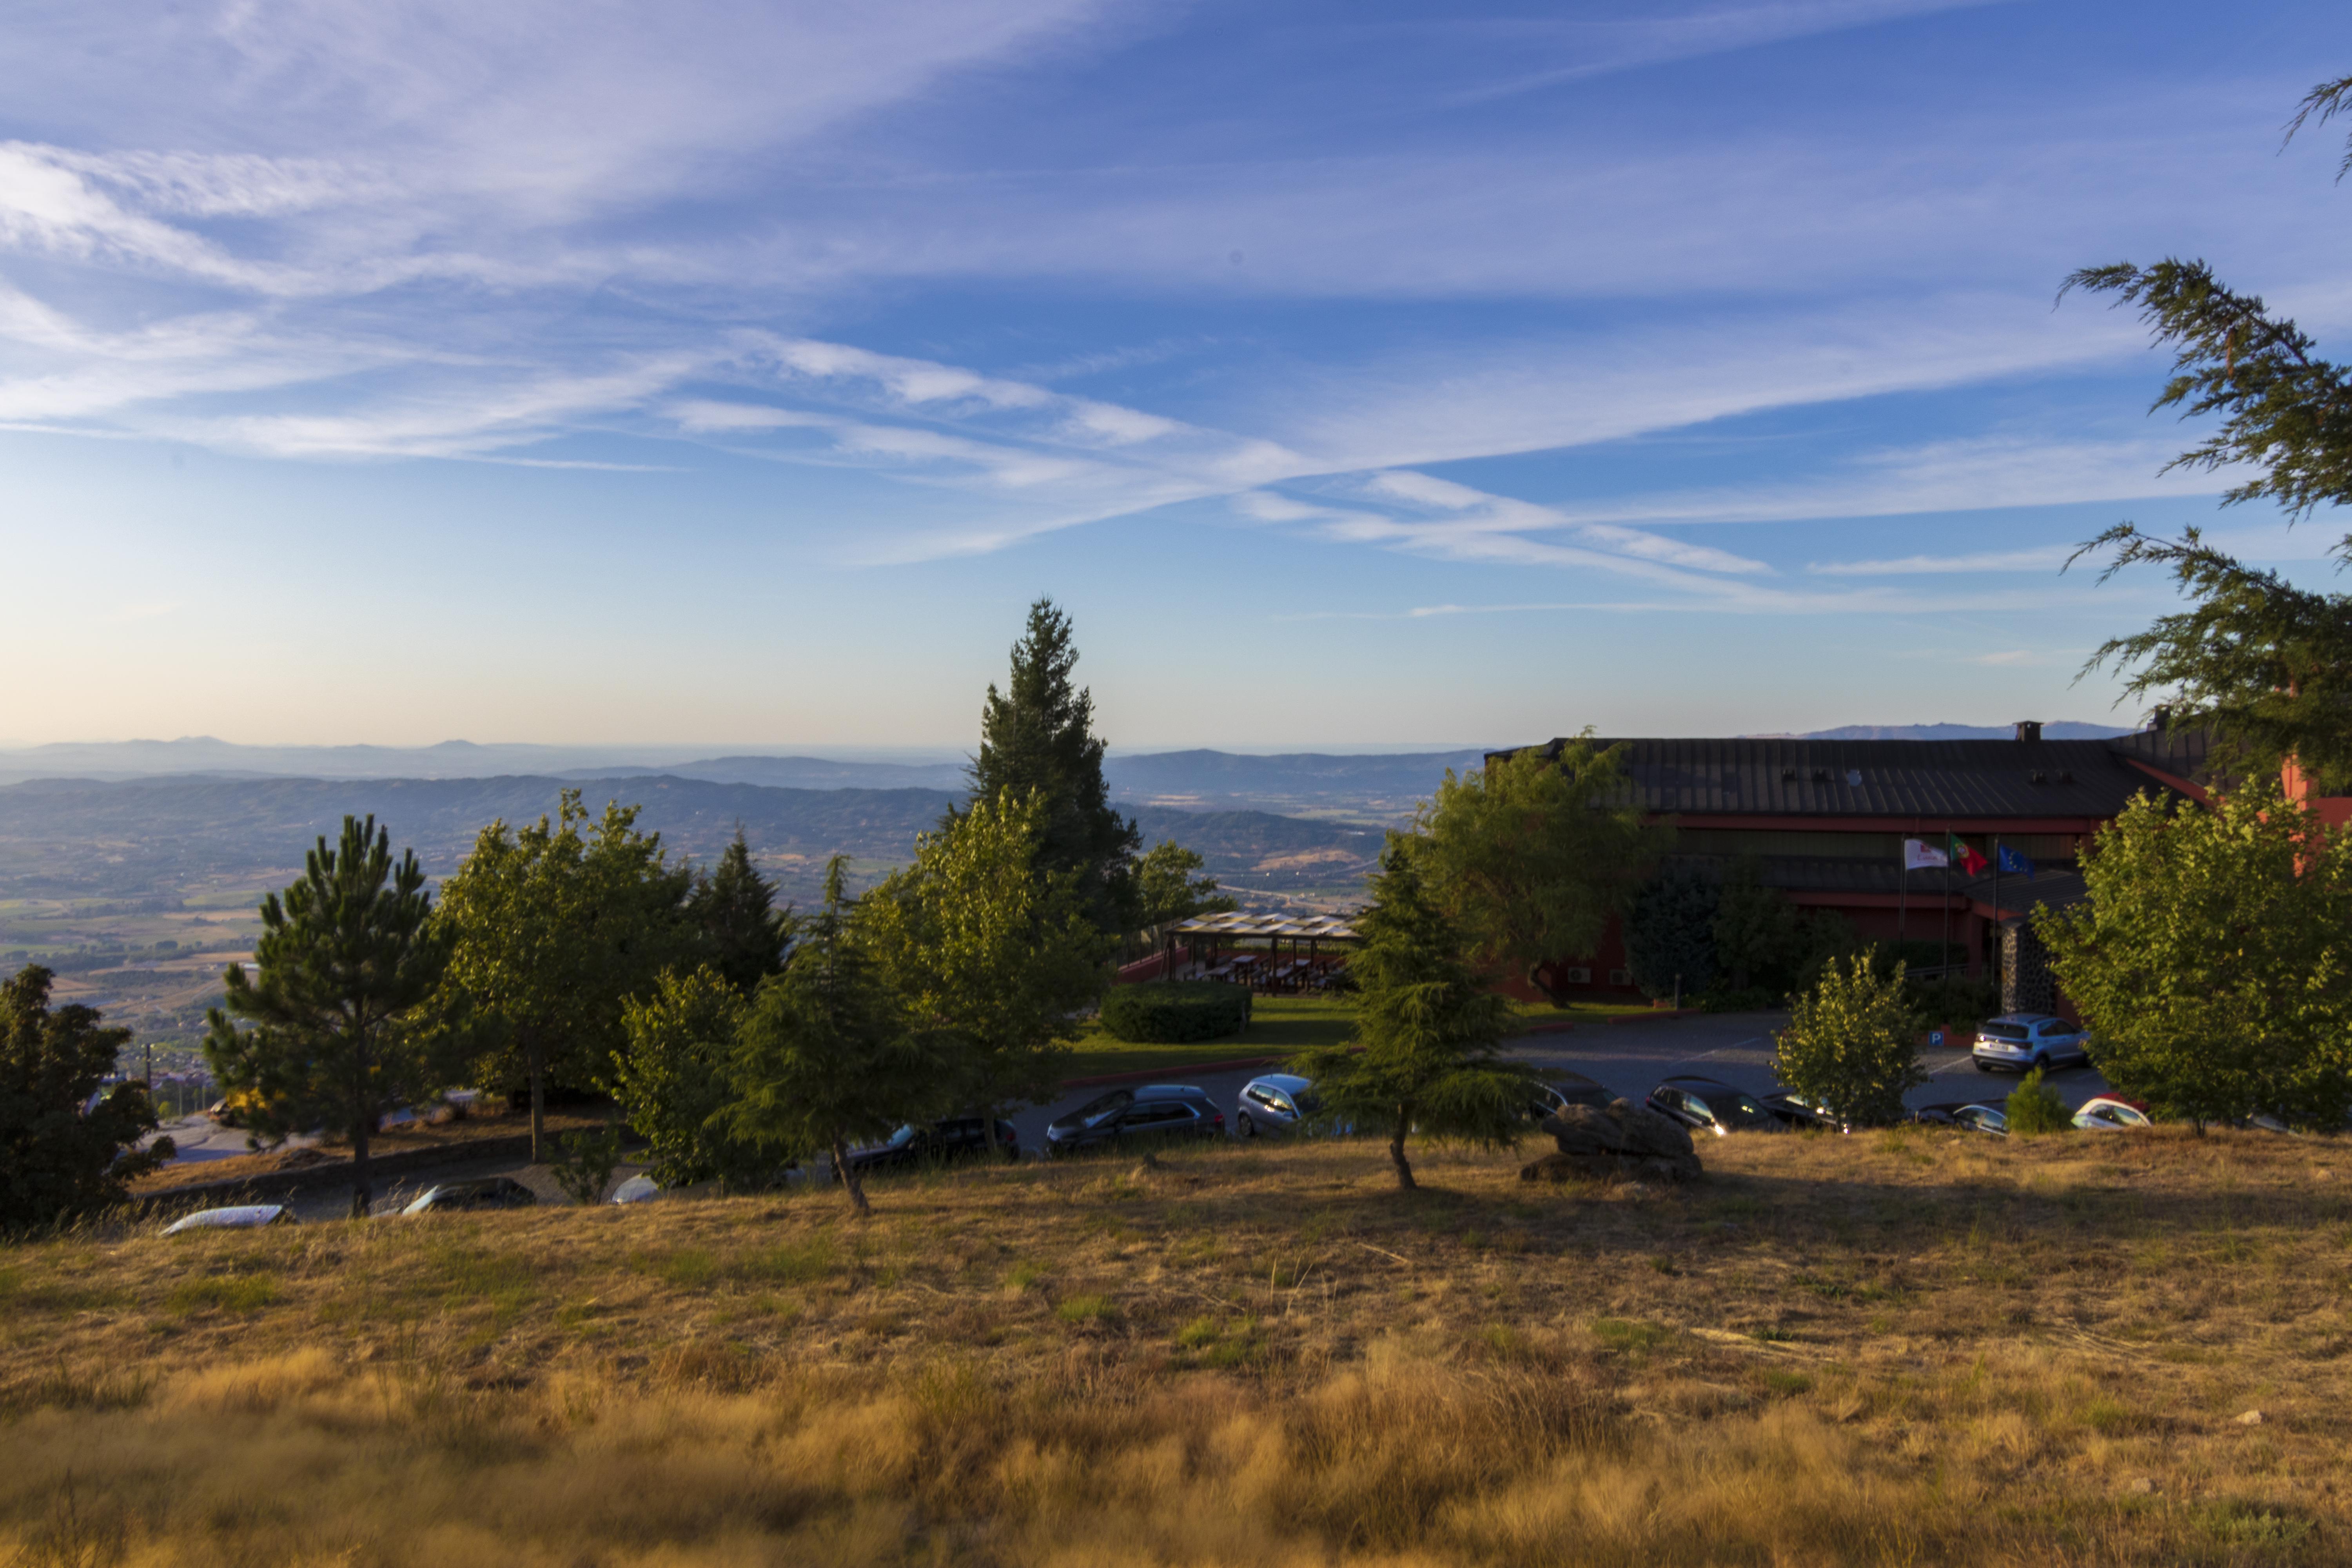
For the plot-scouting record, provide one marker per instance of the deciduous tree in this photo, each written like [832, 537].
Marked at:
[1530, 855]
[1757, 937]
[673, 1079]
[555, 926]
[1852, 1043]
[2212, 959]
[1168, 889]
[993, 947]
[1430, 1031]
[346, 957]
[56, 1162]
[1670, 932]
[830, 1054]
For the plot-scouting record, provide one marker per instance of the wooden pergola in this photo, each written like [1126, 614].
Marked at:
[1307, 935]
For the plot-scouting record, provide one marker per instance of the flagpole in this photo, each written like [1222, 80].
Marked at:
[1944, 954]
[1999, 951]
[1903, 896]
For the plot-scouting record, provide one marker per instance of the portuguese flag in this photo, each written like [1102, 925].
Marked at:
[1970, 863]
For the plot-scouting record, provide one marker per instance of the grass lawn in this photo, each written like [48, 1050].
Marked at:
[1279, 1025]
[1916, 1347]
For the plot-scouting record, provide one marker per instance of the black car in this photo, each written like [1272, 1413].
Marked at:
[1559, 1091]
[938, 1143]
[1144, 1116]
[1969, 1115]
[1799, 1112]
[497, 1193]
[1703, 1105]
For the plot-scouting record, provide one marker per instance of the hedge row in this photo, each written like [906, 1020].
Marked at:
[1175, 1011]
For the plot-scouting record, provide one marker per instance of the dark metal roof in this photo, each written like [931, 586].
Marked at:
[1932, 781]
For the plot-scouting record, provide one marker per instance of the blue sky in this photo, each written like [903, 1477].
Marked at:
[1354, 373]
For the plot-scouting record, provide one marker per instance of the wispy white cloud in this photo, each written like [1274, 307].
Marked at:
[2045, 559]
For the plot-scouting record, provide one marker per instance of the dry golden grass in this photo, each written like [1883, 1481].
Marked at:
[1889, 1348]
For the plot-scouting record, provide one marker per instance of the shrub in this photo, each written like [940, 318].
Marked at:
[1850, 1044]
[1175, 1013]
[583, 1163]
[2034, 1108]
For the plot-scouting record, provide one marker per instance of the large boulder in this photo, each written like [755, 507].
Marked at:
[1622, 1142]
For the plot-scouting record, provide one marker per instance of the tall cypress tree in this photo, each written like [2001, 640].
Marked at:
[1038, 734]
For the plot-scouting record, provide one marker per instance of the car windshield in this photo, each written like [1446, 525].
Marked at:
[1095, 1113]
[905, 1135]
[1735, 1106]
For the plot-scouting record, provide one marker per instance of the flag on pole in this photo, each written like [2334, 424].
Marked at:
[1965, 857]
[1919, 857]
[2015, 864]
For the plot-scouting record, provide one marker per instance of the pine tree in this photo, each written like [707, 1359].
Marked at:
[1038, 734]
[734, 909]
[829, 1055]
[1430, 1030]
[55, 1161]
[346, 956]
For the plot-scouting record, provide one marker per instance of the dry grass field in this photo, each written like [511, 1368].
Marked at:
[1922, 1348]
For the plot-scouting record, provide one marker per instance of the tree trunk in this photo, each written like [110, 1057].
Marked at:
[1396, 1152]
[362, 1190]
[537, 1059]
[848, 1175]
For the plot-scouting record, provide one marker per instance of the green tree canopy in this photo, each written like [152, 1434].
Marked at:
[1167, 887]
[829, 1055]
[1852, 1043]
[992, 946]
[54, 1161]
[555, 926]
[733, 910]
[1037, 735]
[1670, 932]
[2213, 959]
[674, 1078]
[1757, 939]
[346, 957]
[1430, 1031]
[1530, 855]
[2261, 663]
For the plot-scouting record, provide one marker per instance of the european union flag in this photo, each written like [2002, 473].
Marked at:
[2014, 864]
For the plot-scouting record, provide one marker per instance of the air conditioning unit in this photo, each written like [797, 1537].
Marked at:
[1576, 977]
[1621, 977]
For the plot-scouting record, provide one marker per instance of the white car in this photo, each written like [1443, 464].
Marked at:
[2107, 1114]
[2024, 1041]
[1277, 1102]
[244, 1216]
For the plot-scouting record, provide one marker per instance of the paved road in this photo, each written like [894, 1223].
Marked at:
[1628, 1058]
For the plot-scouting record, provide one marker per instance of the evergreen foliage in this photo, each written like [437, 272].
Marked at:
[1670, 933]
[674, 1078]
[2264, 664]
[734, 911]
[1429, 1029]
[1529, 855]
[2034, 1108]
[2212, 960]
[1852, 1043]
[992, 946]
[346, 958]
[1038, 736]
[56, 1163]
[585, 1162]
[555, 926]
[829, 1055]
[1175, 1013]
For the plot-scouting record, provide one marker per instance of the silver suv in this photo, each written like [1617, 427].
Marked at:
[2023, 1041]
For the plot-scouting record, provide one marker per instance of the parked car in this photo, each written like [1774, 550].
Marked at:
[938, 1143]
[1274, 1102]
[1144, 1116]
[1703, 1105]
[492, 1192]
[243, 1217]
[1558, 1091]
[1801, 1110]
[638, 1189]
[2029, 1040]
[2106, 1113]
[1968, 1115]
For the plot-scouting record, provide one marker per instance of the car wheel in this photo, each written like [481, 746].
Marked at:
[1243, 1126]
[2039, 1064]
[1984, 1067]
